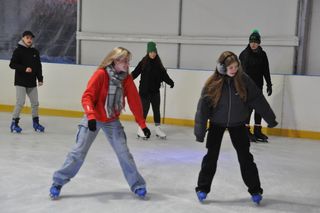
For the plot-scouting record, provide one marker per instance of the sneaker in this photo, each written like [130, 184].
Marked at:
[256, 198]
[55, 191]
[201, 196]
[141, 192]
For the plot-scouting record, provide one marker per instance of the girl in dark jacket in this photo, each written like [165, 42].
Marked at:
[152, 75]
[225, 101]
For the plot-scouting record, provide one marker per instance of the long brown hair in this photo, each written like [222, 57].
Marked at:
[213, 86]
[146, 59]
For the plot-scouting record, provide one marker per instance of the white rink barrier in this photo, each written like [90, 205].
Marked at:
[293, 100]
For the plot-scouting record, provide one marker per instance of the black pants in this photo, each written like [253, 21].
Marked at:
[257, 117]
[240, 141]
[154, 100]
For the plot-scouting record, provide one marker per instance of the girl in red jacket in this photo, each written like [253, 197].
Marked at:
[103, 101]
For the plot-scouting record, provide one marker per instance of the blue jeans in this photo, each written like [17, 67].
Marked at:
[116, 136]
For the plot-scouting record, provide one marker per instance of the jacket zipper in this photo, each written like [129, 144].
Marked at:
[229, 108]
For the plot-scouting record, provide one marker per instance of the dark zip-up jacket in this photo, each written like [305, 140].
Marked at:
[152, 74]
[22, 58]
[256, 65]
[231, 110]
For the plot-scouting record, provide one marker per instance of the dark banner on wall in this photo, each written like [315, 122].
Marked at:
[53, 23]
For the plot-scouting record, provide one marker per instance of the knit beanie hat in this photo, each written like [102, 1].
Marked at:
[29, 33]
[151, 47]
[255, 37]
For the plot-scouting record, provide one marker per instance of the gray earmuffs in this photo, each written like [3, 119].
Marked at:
[221, 67]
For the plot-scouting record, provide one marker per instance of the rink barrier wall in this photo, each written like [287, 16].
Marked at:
[169, 121]
[293, 99]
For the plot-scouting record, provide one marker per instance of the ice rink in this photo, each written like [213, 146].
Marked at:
[289, 171]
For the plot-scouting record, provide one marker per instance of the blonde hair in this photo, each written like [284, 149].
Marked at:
[213, 86]
[116, 53]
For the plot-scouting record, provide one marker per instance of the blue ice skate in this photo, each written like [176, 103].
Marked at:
[141, 192]
[36, 126]
[201, 196]
[256, 198]
[14, 127]
[55, 191]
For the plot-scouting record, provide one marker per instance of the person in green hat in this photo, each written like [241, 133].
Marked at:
[254, 62]
[152, 74]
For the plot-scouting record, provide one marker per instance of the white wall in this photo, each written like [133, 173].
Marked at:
[313, 56]
[207, 28]
[62, 89]
[293, 98]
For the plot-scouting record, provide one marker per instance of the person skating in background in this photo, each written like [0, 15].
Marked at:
[225, 101]
[255, 63]
[26, 62]
[152, 74]
[103, 101]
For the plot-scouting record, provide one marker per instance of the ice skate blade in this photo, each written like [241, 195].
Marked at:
[142, 138]
[262, 141]
[162, 137]
[52, 197]
[257, 203]
[145, 198]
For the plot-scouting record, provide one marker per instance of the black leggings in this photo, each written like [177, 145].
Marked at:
[240, 141]
[154, 100]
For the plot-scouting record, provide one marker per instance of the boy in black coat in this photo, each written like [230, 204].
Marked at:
[27, 65]
[254, 62]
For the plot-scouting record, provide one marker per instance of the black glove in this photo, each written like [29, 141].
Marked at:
[92, 125]
[273, 124]
[146, 132]
[172, 85]
[269, 89]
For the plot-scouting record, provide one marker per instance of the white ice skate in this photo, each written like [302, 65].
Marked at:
[160, 133]
[141, 135]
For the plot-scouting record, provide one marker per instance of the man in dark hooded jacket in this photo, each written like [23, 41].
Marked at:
[255, 63]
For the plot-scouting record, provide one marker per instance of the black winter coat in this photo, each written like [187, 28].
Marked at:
[256, 65]
[152, 75]
[231, 110]
[22, 58]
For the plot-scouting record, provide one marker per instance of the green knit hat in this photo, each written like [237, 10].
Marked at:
[151, 47]
[255, 37]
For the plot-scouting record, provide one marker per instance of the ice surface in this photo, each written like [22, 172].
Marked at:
[289, 171]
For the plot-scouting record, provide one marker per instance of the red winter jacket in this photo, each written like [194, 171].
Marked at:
[94, 98]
